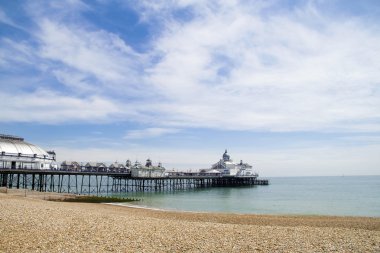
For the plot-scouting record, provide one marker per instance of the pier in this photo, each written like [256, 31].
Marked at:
[106, 183]
[26, 166]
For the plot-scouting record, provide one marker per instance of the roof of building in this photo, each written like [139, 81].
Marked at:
[226, 157]
[15, 145]
[213, 172]
[95, 164]
[117, 165]
[139, 166]
[69, 163]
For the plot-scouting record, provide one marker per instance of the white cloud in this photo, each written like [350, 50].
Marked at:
[50, 107]
[60, 11]
[149, 133]
[76, 80]
[281, 73]
[226, 66]
[4, 18]
[362, 139]
[16, 53]
[98, 52]
[319, 161]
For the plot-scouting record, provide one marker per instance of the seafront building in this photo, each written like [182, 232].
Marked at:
[226, 167]
[16, 153]
[138, 170]
[70, 166]
[118, 168]
[95, 167]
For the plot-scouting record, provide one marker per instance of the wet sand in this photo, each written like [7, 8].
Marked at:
[32, 224]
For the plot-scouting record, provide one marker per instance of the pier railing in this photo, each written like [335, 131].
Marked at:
[106, 183]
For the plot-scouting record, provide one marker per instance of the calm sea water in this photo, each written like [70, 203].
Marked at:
[344, 196]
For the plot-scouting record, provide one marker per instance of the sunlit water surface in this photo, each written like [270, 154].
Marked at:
[345, 196]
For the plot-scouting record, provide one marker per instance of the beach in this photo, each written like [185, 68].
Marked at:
[32, 224]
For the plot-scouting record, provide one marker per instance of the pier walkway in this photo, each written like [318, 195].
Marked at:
[106, 183]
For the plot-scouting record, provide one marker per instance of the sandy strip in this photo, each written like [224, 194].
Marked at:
[31, 224]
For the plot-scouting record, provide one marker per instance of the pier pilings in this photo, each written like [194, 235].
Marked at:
[98, 183]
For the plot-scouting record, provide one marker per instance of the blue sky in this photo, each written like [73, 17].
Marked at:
[292, 87]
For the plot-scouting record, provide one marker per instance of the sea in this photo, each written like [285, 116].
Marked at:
[334, 196]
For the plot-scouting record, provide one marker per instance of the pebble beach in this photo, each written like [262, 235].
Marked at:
[33, 224]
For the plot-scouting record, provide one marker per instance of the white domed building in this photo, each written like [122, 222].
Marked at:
[15, 153]
[227, 167]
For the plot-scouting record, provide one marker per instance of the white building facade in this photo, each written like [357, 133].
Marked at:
[15, 153]
[148, 170]
[227, 167]
[118, 168]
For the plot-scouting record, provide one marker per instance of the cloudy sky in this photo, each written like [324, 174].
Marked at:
[292, 87]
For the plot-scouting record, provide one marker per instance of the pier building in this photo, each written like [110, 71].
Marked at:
[118, 168]
[95, 167]
[16, 153]
[148, 170]
[71, 166]
[227, 167]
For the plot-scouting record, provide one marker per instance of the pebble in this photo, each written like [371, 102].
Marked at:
[35, 225]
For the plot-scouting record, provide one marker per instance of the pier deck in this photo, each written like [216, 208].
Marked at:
[106, 183]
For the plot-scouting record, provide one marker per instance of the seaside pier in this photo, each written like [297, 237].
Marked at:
[26, 166]
[106, 183]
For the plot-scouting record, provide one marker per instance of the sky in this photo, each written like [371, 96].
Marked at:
[291, 87]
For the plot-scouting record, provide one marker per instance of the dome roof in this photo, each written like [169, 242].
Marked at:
[226, 157]
[15, 145]
[148, 163]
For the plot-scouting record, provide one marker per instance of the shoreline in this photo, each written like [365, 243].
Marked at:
[357, 222]
[236, 213]
[33, 224]
[53, 196]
